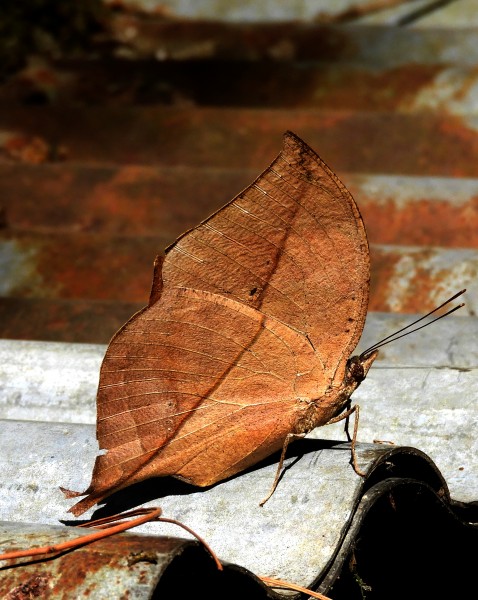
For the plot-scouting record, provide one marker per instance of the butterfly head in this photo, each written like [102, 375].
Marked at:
[358, 367]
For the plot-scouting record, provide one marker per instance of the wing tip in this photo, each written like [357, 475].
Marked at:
[291, 138]
[84, 504]
[81, 506]
[294, 146]
[70, 493]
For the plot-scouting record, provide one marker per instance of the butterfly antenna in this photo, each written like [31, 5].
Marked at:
[394, 336]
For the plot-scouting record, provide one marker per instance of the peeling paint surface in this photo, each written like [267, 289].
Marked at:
[406, 278]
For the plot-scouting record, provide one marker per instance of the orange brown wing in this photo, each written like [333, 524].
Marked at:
[255, 314]
[184, 385]
[293, 245]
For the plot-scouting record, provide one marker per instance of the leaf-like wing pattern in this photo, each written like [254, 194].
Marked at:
[190, 376]
[252, 317]
[293, 245]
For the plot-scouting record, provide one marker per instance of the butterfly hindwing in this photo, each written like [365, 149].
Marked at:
[189, 378]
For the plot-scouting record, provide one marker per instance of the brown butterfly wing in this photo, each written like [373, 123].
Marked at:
[191, 377]
[293, 245]
[255, 313]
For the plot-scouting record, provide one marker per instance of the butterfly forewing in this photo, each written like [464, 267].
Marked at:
[292, 245]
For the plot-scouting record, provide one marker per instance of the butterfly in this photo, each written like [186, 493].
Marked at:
[246, 341]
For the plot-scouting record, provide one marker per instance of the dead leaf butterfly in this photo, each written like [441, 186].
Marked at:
[246, 340]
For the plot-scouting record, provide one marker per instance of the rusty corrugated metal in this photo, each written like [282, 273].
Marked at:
[166, 201]
[404, 279]
[313, 507]
[126, 566]
[425, 144]
[406, 88]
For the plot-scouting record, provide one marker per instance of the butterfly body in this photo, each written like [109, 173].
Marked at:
[246, 339]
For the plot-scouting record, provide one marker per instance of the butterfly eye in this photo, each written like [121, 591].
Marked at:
[355, 370]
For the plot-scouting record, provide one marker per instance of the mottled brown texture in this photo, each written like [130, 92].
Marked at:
[422, 222]
[146, 201]
[60, 320]
[417, 144]
[127, 200]
[252, 318]
[34, 587]
[242, 83]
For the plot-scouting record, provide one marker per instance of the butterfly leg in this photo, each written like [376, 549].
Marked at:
[289, 438]
[355, 409]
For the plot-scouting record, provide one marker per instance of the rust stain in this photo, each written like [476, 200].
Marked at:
[29, 148]
[82, 572]
[456, 137]
[125, 200]
[395, 143]
[425, 221]
[82, 266]
[116, 200]
[391, 291]
[420, 291]
[83, 321]
[354, 89]
[417, 280]
[78, 577]
[382, 270]
[102, 271]
[461, 93]
[141, 200]
[36, 586]
[107, 268]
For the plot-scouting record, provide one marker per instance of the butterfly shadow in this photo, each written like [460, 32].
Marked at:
[155, 488]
